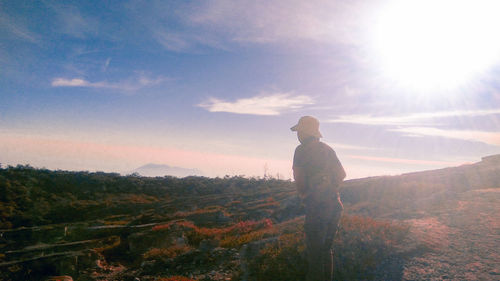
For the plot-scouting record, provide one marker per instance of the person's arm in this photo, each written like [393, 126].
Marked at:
[338, 169]
[300, 180]
[341, 173]
[299, 173]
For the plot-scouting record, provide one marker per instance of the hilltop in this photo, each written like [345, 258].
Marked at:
[438, 224]
[160, 170]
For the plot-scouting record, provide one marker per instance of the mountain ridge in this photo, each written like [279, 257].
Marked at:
[160, 170]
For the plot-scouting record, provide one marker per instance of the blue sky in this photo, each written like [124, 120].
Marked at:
[216, 85]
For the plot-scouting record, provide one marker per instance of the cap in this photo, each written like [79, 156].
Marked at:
[308, 125]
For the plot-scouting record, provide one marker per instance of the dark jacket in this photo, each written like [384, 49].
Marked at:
[320, 168]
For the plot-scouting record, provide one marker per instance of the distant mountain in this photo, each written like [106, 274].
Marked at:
[160, 170]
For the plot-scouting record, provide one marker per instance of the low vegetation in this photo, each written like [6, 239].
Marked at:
[197, 228]
[361, 245]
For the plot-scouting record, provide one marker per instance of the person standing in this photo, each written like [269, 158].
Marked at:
[318, 174]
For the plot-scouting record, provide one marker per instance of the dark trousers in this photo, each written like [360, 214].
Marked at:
[321, 226]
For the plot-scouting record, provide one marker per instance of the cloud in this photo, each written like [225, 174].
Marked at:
[106, 65]
[274, 104]
[172, 41]
[223, 23]
[70, 21]
[405, 161]
[491, 138]
[76, 82]
[425, 118]
[269, 21]
[17, 28]
[348, 146]
[132, 84]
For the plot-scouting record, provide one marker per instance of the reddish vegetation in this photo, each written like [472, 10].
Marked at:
[422, 226]
[170, 252]
[360, 245]
[176, 278]
[238, 228]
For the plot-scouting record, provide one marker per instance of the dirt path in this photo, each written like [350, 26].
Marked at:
[464, 235]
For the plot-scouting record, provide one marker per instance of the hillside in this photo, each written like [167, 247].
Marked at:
[437, 224]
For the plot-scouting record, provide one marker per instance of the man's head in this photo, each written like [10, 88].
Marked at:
[308, 126]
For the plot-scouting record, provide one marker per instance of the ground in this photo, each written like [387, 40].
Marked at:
[463, 233]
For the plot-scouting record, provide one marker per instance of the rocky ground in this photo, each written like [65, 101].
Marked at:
[463, 234]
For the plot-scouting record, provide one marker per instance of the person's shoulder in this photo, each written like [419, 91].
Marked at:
[299, 147]
[328, 150]
[325, 146]
[299, 155]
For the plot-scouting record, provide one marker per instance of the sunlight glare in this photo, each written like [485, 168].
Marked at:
[440, 44]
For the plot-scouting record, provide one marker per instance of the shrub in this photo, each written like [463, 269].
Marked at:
[236, 241]
[170, 252]
[231, 236]
[361, 244]
[176, 278]
[283, 260]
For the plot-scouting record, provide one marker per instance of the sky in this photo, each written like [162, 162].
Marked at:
[398, 86]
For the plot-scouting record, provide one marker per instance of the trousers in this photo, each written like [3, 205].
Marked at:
[321, 225]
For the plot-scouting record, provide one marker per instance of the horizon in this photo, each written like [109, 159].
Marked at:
[216, 86]
[484, 159]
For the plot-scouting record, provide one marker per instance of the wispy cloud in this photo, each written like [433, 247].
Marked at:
[132, 84]
[17, 28]
[349, 147]
[491, 138]
[414, 119]
[273, 104]
[72, 22]
[222, 23]
[274, 21]
[173, 41]
[106, 65]
[404, 161]
[75, 82]
[188, 41]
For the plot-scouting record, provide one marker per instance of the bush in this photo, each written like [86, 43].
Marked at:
[170, 252]
[362, 243]
[176, 278]
[283, 260]
[360, 246]
[232, 236]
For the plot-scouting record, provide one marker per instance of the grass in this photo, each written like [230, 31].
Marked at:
[361, 244]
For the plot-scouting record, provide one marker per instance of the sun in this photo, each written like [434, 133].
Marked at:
[436, 44]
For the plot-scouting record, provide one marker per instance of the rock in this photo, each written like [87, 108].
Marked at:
[181, 241]
[208, 244]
